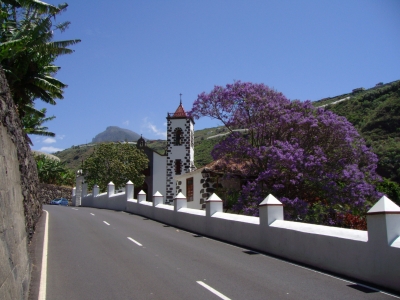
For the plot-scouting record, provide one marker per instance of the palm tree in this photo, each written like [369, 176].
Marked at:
[53, 172]
[33, 119]
[27, 51]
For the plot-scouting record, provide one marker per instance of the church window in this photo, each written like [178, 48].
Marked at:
[178, 167]
[178, 136]
[189, 189]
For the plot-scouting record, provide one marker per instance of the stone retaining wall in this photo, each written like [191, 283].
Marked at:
[20, 208]
[48, 192]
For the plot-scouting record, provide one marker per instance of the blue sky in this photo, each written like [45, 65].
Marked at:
[136, 57]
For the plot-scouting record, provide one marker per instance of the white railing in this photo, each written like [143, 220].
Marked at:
[371, 256]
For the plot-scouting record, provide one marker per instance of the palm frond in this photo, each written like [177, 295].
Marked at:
[51, 69]
[30, 109]
[45, 84]
[57, 83]
[39, 6]
[42, 131]
[63, 26]
[10, 48]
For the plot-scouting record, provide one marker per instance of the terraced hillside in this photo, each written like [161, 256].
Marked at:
[376, 115]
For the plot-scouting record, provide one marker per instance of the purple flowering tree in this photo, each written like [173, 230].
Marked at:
[314, 161]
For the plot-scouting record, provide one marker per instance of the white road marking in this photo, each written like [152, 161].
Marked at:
[92, 214]
[137, 243]
[43, 273]
[106, 223]
[214, 291]
[74, 208]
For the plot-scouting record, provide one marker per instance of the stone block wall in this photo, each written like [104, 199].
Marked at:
[48, 192]
[20, 208]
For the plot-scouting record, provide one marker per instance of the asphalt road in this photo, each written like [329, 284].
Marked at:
[102, 254]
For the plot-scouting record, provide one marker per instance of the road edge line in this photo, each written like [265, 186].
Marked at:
[43, 272]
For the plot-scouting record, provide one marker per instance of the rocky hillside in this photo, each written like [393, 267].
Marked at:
[116, 134]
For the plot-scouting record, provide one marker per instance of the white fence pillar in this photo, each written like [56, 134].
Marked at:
[96, 190]
[73, 197]
[270, 209]
[158, 199]
[78, 190]
[129, 187]
[84, 189]
[383, 221]
[180, 201]
[110, 189]
[141, 196]
[213, 204]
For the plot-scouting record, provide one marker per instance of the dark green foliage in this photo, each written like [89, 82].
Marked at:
[202, 151]
[376, 115]
[390, 189]
[203, 144]
[33, 120]
[54, 172]
[389, 158]
[158, 145]
[118, 163]
[27, 51]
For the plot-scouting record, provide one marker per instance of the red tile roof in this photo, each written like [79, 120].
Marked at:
[180, 112]
[231, 167]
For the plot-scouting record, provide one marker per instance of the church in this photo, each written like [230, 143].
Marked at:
[178, 159]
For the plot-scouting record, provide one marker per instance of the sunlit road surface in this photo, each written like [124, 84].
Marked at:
[102, 254]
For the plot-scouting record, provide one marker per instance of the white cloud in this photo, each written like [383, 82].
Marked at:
[150, 127]
[50, 149]
[60, 137]
[126, 123]
[49, 140]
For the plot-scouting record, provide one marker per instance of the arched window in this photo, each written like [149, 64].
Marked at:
[178, 137]
[141, 143]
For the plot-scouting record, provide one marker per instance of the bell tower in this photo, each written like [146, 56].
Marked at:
[180, 148]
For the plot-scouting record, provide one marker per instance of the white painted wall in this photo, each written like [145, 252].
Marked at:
[192, 148]
[159, 173]
[197, 186]
[371, 256]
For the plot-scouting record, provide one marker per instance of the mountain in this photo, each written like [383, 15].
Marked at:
[116, 134]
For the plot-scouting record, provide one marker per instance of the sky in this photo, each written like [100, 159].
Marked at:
[136, 57]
